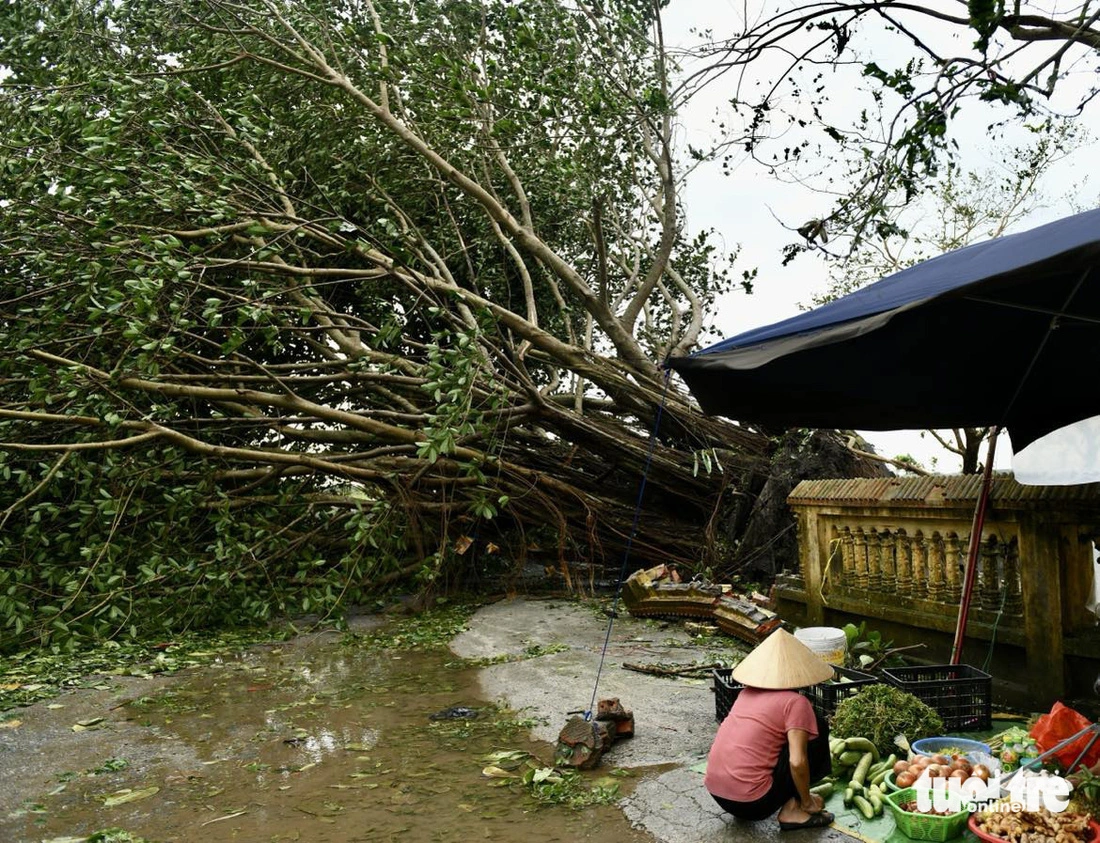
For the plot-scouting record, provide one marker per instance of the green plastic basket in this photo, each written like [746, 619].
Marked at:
[924, 826]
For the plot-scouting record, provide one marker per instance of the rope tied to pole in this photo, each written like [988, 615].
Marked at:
[629, 543]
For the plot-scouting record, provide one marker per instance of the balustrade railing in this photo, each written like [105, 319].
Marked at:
[926, 562]
[893, 551]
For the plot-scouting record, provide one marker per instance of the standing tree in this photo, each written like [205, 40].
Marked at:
[302, 298]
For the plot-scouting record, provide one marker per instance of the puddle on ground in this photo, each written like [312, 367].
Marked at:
[314, 740]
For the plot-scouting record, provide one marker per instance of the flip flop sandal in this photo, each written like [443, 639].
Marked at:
[821, 819]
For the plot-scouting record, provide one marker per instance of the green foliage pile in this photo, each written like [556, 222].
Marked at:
[38, 673]
[882, 712]
[116, 835]
[132, 545]
[551, 785]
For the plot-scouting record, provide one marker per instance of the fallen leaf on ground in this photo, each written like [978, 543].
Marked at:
[10, 724]
[128, 795]
[497, 773]
[226, 817]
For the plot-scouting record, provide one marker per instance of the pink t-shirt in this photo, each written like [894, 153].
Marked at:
[749, 740]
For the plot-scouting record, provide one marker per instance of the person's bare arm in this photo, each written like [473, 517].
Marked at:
[799, 740]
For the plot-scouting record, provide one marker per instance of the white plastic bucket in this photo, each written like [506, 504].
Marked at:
[827, 641]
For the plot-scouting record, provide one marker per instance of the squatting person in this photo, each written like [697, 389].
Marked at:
[772, 744]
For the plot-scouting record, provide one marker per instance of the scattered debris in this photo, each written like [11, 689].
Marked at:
[695, 671]
[226, 817]
[659, 592]
[128, 795]
[456, 712]
[582, 743]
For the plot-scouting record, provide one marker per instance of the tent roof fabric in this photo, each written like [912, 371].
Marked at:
[946, 273]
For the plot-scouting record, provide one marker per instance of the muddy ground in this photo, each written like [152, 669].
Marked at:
[322, 739]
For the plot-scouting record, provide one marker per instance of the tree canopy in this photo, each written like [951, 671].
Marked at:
[298, 299]
[860, 100]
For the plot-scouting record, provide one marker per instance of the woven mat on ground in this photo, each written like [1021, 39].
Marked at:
[852, 822]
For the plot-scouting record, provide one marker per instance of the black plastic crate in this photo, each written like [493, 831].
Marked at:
[725, 692]
[826, 697]
[962, 695]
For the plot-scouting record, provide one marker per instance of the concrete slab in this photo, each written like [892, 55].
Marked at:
[674, 718]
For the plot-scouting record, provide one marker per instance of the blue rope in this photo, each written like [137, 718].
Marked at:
[629, 543]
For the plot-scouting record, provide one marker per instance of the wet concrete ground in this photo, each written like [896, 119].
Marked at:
[319, 740]
[675, 718]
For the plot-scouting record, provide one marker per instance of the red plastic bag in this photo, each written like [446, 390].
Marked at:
[1063, 722]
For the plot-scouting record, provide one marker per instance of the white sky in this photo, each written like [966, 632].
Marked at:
[747, 208]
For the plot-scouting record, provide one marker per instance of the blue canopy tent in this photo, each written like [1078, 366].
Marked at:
[1004, 334]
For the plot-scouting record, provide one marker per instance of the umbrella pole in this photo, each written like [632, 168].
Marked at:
[972, 552]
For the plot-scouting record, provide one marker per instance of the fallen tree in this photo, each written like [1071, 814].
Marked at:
[304, 299]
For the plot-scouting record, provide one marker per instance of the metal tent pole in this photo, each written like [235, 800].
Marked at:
[975, 545]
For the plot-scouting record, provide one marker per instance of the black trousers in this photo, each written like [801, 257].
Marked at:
[783, 788]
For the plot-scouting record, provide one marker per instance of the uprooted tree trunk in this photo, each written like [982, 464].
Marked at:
[768, 541]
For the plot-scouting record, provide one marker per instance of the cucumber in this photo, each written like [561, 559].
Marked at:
[862, 745]
[849, 795]
[849, 757]
[865, 807]
[885, 765]
[861, 768]
[823, 790]
[879, 778]
[836, 746]
[876, 802]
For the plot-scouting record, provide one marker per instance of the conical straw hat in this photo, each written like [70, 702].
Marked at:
[781, 661]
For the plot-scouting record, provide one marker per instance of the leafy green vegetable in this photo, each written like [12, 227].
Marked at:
[879, 712]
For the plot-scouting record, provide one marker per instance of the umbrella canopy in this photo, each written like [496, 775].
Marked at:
[1005, 332]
